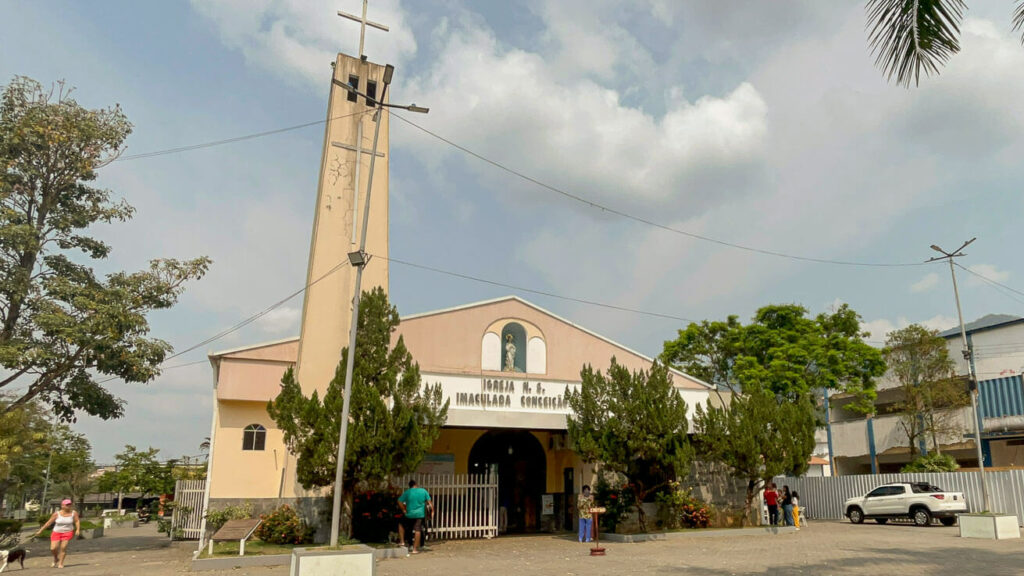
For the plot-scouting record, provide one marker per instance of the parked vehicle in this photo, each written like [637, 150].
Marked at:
[918, 501]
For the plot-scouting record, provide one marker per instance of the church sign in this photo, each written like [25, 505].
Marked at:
[505, 394]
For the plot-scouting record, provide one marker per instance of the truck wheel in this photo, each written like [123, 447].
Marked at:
[947, 521]
[856, 516]
[881, 520]
[921, 516]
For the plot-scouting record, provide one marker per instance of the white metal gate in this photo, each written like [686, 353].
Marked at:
[187, 520]
[465, 505]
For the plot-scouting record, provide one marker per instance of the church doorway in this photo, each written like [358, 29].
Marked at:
[522, 474]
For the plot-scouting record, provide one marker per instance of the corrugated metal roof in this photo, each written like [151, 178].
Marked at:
[986, 322]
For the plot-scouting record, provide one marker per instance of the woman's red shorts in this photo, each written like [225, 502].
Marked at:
[61, 536]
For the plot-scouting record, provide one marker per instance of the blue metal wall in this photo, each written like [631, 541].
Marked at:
[1002, 397]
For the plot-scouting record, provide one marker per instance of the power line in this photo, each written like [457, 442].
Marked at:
[534, 291]
[993, 283]
[531, 179]
[213, 143]
[646, 221]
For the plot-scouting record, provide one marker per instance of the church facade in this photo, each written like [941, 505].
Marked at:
[504, 365]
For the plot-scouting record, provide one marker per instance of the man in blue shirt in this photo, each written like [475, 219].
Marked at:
[415, 503]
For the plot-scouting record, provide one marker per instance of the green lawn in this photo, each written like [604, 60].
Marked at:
[252, 548]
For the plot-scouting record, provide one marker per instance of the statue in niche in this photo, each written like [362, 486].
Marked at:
[510, 354]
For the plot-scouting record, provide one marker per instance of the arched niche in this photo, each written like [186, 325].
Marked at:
[490, 352]
[536, 356]
[513, 348]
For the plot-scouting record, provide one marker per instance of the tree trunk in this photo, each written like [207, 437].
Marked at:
[748, 502]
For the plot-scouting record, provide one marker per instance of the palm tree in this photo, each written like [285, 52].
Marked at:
[911, 36]
[204, 446]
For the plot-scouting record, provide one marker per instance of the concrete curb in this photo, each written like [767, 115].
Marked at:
[232, 562]
[721, 533]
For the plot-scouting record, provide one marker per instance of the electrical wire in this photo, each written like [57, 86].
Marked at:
[646, 221]
[213, 143]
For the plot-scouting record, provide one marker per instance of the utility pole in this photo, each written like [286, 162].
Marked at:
[359, 260]
[49, 463]
[968, 357]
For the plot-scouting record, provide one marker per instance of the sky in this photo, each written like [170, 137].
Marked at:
[755, 123]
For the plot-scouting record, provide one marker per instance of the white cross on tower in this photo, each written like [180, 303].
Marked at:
[363, 23]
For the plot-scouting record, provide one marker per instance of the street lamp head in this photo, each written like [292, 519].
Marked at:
[415, 108]
[389, 72]
[936, 248]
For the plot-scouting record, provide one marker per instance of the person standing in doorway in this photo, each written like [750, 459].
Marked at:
[787, 506]
[583, 505]
[66, 526]
[771, 500]
[415, 502]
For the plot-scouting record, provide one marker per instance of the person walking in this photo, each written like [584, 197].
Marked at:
[787, 506]
[66, 526]
[583, 505]
[796, 510]
[771, 500]
[415, 503]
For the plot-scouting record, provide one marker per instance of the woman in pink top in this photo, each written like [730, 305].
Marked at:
[65, 527]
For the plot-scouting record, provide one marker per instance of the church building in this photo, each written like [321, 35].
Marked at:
[504, 365]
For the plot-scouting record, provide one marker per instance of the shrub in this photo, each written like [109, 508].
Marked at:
[933, 462]
[375, 514]
[219, 517]
[678, 508]
[283, 526]
[617, 499]
[10, 532]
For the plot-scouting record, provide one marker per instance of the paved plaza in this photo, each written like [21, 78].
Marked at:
[821, 548]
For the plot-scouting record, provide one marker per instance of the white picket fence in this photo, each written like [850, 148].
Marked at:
[188, 508]
[823, 497]
[465, 505]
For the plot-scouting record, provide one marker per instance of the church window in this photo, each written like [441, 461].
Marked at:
[371, 91]
[254, 437]
[353, 81]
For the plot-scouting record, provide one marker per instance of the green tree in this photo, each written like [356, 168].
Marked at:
[25, 439]
[137, 471]
[757, 437]
[930, 391]
[71, 468]
[394, 418]
[634, 424]
[912, 36]
[783, 351]
[61, 325]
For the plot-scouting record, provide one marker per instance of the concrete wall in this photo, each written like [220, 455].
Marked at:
[241, 473]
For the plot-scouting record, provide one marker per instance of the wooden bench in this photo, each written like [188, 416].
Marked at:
[232, 530]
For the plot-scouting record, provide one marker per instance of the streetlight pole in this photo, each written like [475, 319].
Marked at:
[359, 260]
[967, 352]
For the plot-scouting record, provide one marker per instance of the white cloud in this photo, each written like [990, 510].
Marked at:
[299, 39]
[881, 327]
[989, 271]
[513, 105]
[281, 321]
[925, 284]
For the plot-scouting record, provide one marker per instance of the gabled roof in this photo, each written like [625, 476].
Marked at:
[555, 317]
[987, 322]
[470, 305]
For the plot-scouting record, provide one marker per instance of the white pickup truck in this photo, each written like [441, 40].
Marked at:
[918, 501]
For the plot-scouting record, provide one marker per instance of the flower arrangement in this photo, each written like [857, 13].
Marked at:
[678, 508]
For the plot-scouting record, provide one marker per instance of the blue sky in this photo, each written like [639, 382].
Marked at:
[766, 126]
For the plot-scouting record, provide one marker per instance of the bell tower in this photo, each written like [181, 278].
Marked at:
[341, 193]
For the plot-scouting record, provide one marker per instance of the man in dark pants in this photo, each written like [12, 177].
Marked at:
[415, 503]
